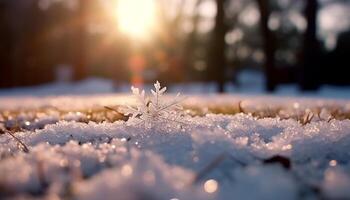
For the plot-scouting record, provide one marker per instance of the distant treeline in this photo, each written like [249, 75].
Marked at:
[48, 40]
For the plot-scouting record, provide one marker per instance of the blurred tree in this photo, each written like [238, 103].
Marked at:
[29, 44]
[191, 45]
[5, 47]
[79, 54]
[311, 50]
[269, 44]
[172, 51]
[217, 59]
[336, 68]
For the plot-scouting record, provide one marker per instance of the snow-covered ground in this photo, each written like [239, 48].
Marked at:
[239, 155]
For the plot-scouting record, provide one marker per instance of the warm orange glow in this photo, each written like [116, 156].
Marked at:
[136, 18]
[136, 64]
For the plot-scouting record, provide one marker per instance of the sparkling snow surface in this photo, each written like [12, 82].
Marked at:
[214, 156]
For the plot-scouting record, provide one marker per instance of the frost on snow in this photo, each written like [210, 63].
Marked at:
[153, 109]
[215, 156]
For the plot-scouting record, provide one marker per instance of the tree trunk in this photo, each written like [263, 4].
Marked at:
[311, 49]
[269, 45]
[217, 58]
[79, 60]
[5, 47]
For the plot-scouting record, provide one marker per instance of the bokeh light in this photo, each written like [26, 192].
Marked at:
[211, 185]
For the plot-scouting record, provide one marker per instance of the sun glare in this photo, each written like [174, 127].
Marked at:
[136, 18]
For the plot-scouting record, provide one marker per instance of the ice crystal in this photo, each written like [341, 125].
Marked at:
[153, 108]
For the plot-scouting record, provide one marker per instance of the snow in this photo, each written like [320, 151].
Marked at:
[254, 179]
[163, 163]
[336, 183]
[249, 82]
[208, 156]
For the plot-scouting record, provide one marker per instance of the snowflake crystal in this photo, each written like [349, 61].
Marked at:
[152, 109]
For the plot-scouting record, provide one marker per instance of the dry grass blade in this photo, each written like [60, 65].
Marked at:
[240, 107]
[22, 146]
[121, 115]
[112, 109]
[318, 113]
[307, 118]
[330, 119]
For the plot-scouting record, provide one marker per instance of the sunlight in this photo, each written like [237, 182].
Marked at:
[136, 18]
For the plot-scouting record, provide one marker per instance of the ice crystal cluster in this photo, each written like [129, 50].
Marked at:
[153, 109]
